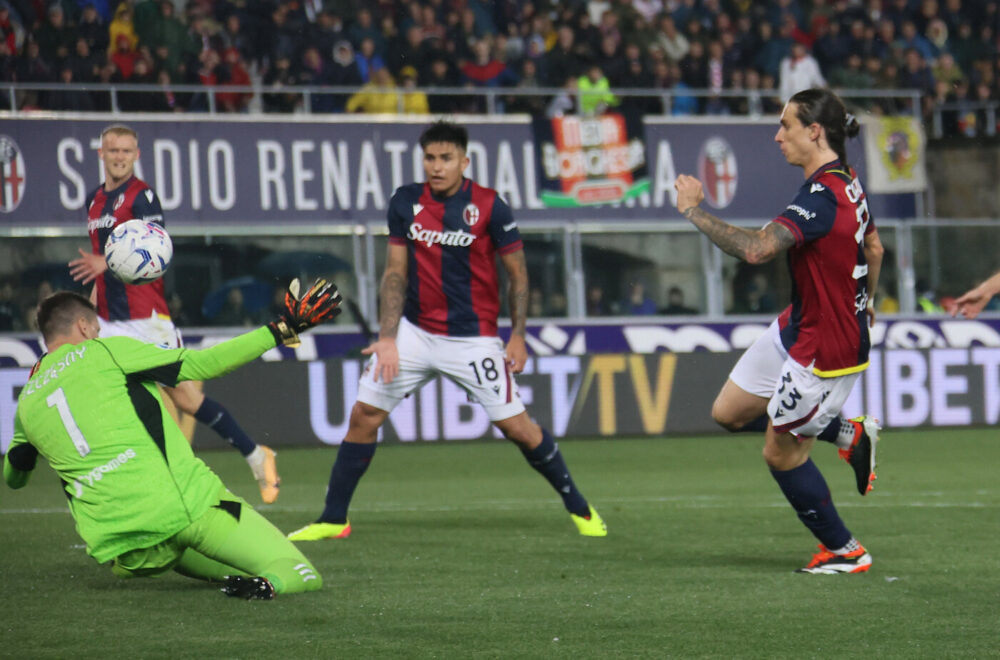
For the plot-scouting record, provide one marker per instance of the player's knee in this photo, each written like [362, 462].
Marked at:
[522, 431]
[365, 420]
[724, 417]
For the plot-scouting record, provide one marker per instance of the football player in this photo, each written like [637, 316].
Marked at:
[793, 381]
[138, 495]
[438, 316]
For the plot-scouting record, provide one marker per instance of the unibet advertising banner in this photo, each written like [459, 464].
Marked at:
[264, 172]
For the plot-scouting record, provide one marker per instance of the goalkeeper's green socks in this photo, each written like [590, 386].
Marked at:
[353, 459]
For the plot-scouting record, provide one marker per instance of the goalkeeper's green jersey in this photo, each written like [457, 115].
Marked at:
[94, 412]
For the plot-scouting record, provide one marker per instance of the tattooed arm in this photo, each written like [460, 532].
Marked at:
[392, 294]
[517, 272]
[755, 246]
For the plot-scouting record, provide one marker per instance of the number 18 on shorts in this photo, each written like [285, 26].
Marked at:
[476, 364]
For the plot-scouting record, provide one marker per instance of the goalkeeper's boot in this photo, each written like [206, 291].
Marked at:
[321, 530]
[248, 588]
[825, 562]
[861, 454]
[591, 524]
[265, 471]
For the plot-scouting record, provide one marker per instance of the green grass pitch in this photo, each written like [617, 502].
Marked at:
[462, 551]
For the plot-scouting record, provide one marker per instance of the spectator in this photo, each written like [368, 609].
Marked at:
[55, 38]
[414, 101]
[638, 303]
[595, 97]
[363, 28]
[963, 46]
[124, 57]
[675, 303]
[832, 46]
[378, 96]
[915, 74]
[946, 70]
[368, 60]
[31, 67]
[11, 32]
[165, 100]
[441, 74]
[912, 39]
[563, 103]
[773, 49]
[343, 73]
[528, 80]
[84, 63]
[324, 34]
[799, 71]
[92, 28]
[753, 294]
[279, 76]
[121, 27]
[485, 71]
[234, 313]
[138, 101]
[168, 33]
[597, 305]
[852, 74]
[562, 62]
[70, 100]
[233, 72]
[408, 51]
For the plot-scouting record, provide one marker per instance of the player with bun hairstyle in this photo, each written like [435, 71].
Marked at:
[792, 382]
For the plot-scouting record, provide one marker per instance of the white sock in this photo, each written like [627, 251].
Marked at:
[845, 437]
[851, 546]
[256, 457]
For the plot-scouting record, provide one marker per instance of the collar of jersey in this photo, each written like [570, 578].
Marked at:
[111, 192]
[823, 169]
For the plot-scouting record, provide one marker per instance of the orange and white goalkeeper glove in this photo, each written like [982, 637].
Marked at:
[321, 302]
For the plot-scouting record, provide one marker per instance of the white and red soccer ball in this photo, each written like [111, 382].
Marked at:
[138, 251]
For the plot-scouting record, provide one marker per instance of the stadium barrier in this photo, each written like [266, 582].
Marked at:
[588, 380]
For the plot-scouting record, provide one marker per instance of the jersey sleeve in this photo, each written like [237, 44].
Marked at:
[811, 214]
[20, 459]
[397, 218]
[171, 366]
[146, 206]
[503, 228]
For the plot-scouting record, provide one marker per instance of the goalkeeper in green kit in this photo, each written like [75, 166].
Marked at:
[139, 496]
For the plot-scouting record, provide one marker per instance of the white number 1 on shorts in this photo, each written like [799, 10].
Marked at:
[58, 401]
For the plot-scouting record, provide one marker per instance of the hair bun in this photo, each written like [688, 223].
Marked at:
[851, 125]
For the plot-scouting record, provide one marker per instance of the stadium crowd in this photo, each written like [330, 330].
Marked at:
[388, 50]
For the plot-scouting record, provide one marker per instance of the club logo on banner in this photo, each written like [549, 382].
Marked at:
[894, 153]
[717, 169]
[12, 174]
[590, 160]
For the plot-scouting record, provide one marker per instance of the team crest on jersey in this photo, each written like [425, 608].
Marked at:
[471, 214]
[12, 174]
[717, 170]
[119, 202]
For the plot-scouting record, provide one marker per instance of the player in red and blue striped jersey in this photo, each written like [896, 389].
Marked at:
[140, 310]
[793, 381]
[438, 316]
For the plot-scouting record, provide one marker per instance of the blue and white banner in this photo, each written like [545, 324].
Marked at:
[266, 172]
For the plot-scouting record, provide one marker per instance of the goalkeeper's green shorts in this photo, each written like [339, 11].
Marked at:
[229, 539]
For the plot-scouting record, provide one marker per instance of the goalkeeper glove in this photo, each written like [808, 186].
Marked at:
[320, 303]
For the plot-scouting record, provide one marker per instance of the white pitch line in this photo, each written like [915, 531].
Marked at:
[678, 502]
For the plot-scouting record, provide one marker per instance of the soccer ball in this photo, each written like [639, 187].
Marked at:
[138, 251]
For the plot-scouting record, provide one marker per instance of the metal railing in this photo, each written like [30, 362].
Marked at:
[494, 99]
